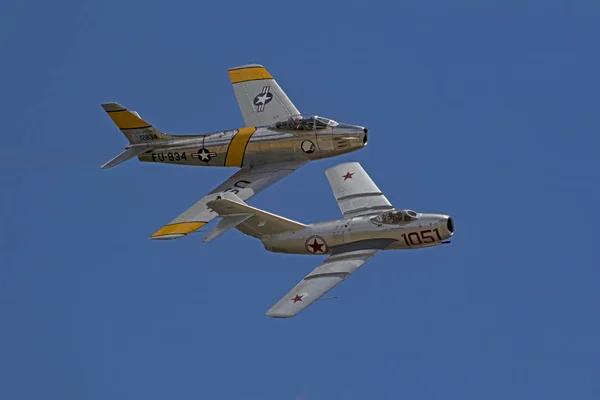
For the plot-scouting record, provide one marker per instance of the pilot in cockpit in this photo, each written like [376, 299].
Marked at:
[396, 217]
[305, 123]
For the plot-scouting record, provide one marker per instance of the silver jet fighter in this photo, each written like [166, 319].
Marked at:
[276, 141]
[369, 225]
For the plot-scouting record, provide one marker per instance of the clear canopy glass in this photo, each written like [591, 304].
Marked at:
[305, 123]
[396, 217]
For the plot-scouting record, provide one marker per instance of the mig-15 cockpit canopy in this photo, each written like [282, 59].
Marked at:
[396, 217]
[305, 123]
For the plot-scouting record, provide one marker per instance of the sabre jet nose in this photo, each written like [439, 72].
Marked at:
[349, 137]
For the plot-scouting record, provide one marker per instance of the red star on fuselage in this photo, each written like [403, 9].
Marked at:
[348, 175]
[297, 298]
[316, 246]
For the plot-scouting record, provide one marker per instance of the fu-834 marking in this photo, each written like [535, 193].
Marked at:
[171, 156]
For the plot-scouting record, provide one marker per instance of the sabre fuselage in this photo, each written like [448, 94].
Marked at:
[426, 231]
[256, 145]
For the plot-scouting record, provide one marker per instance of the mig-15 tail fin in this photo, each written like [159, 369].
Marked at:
[141, 135]
[248, 220]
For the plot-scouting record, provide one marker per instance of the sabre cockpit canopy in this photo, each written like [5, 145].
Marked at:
[396, 217]
[305, 123]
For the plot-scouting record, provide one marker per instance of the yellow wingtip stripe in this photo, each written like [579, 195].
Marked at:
[181, 228]
[125, 119]
[248, 74]
[237, 147]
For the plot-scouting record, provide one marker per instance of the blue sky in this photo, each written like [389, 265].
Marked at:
[485, 110]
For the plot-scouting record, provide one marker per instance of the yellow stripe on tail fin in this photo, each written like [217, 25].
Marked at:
[135, 129]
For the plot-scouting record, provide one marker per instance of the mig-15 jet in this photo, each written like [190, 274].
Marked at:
[369, 225]
[276, 141]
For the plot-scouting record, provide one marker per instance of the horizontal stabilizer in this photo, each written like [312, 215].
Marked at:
[228, 222]
[126, 155]
[260, 224]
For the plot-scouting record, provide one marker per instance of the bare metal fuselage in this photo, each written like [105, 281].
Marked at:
[428, 230]
[253, 146]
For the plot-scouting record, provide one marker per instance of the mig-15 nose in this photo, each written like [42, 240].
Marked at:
[447, 226]
[450, 224]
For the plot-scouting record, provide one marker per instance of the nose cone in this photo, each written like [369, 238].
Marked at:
[357, 135]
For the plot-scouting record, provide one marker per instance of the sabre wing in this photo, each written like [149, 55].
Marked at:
[245, 183]
[355, 192]
[261, 99]
[344, 261]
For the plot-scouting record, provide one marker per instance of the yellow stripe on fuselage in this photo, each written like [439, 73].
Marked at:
[125, 119]
[181, 228]
[249, 74]
[237, 147]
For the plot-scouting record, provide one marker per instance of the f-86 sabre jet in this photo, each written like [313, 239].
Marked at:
[369, 225]
[276, 141]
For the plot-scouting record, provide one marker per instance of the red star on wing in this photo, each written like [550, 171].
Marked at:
[348, 175]
[297, 298]
[316, 246]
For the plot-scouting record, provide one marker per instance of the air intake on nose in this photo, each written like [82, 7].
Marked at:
[366, 137]
[450, 225]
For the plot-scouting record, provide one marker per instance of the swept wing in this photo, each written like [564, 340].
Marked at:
[344, 261]
[355, 192]
[245, 183]
[261, 100]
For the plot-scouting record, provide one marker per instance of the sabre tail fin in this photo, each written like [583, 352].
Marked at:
[141, 134]
[248, 220]
[135, 129]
